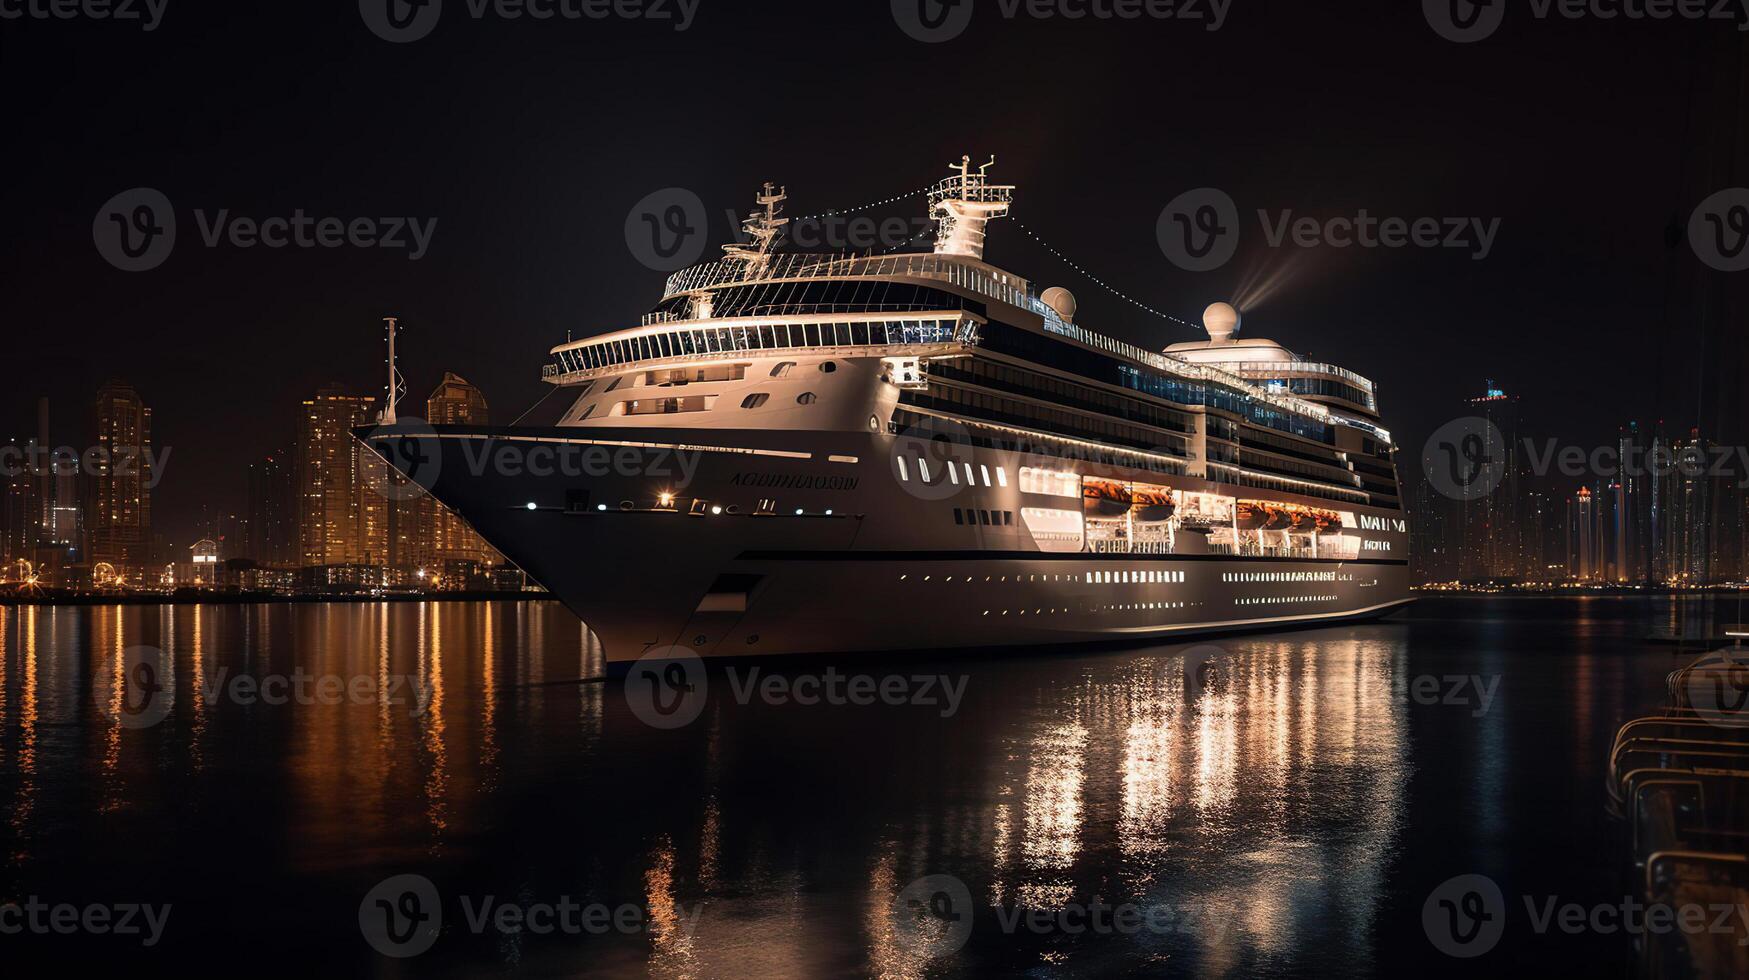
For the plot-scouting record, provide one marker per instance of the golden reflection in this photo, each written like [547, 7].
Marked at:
[1217, 754]
[1052, 816]
[673, 953]
[488, 697]
[197, 656]
[27, 716]
[431, 668]
[6, 626]
[110, 635]
[1147, 782]
[892, 956]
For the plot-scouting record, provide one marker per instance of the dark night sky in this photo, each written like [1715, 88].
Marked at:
[529, 141]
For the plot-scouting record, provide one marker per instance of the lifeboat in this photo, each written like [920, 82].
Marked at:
[1251, 515]
[1102, 498]
[1153, 506]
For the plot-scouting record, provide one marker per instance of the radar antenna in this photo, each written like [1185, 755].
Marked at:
[397, 384]
[963, 204]
[761, 232]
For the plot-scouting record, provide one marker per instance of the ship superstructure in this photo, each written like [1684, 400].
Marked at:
[856, 453]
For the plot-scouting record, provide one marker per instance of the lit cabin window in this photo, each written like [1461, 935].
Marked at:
[923, 469]
[986, 471]
[904, 471]
[807, 398]
[1001, 477]
[756, 400]
[951, 477]
[1056, 483]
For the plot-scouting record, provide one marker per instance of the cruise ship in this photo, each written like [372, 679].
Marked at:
[830, 454]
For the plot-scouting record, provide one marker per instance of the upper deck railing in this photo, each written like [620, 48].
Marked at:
[1275, 369]
[994, 284]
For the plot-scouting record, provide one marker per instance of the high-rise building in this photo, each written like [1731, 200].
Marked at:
[19, 507]
[1581, 537]
[330, 482]
[272, 516]
[1491, 526]
[118, 517]
[455, 402]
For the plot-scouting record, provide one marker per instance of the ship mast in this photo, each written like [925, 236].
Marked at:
[397, 384]
[962, 205]
[762, 230]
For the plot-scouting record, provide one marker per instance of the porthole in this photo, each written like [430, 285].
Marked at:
[782, 369]
[827, 367]
[755, 400]
[807, 398]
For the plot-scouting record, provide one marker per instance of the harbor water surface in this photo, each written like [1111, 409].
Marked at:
[1275, 805]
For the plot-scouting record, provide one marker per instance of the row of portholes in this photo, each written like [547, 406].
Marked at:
[1129, 607]
[1279, 577]
[1277, 600]
[968, 579]
[783, 368]
[760, 398]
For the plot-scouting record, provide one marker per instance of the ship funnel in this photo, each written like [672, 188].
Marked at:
[1221, 321]
[961, 206]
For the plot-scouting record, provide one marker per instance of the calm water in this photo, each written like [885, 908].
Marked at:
[1279, 806]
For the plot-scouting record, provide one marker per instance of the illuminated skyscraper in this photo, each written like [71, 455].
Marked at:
[338, 523]
[1581, 537]
[1492, 526]
[455, 402]
[118, 520]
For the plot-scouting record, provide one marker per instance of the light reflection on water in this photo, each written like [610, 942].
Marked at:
[1259, 792]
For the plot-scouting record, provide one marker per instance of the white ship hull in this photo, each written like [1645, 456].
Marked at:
[872, 563]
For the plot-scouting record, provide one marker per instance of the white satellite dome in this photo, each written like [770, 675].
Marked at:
[1061, 300]
[1221, 321]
